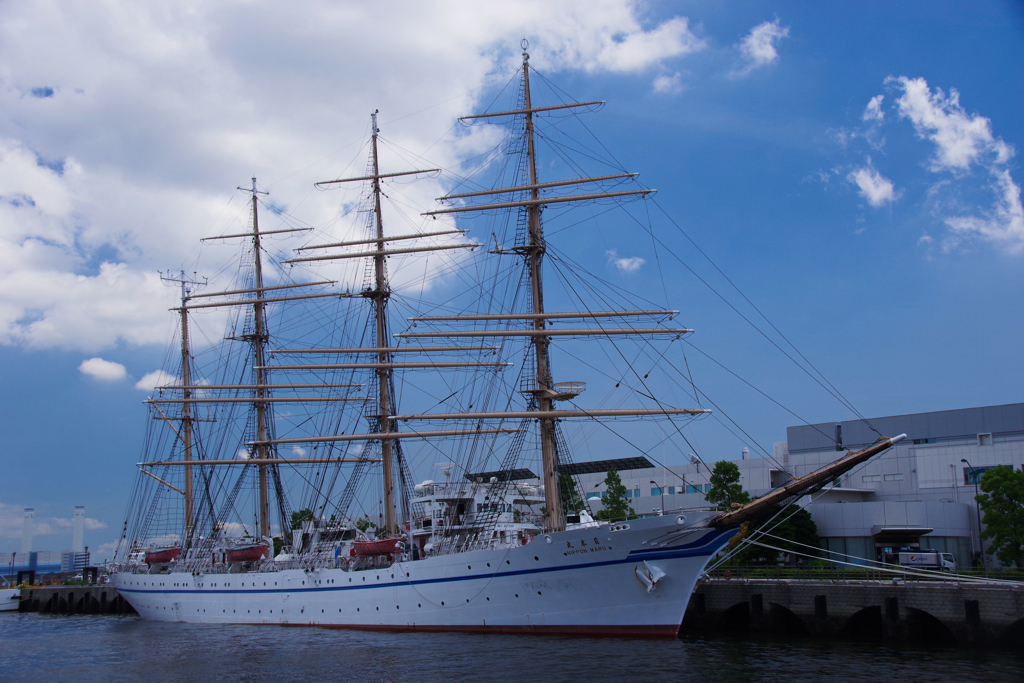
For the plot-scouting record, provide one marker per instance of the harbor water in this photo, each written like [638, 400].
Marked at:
[36, 647]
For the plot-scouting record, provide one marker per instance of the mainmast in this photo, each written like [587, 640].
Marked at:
[259, 343]
[554, 516]
[379, 295]
[186, 407]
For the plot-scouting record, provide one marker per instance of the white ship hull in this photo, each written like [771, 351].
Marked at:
[9, 599]
[573, 582]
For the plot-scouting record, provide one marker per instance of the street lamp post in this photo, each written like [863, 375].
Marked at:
[977, 507]
[662, 489]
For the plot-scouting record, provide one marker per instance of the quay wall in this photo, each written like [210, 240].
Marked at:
[89, 599]
[940, 613]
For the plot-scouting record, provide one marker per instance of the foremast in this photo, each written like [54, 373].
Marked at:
[544, 389]
[554, 516]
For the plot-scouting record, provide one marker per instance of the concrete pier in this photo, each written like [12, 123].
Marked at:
[92, 599]
[940, 613]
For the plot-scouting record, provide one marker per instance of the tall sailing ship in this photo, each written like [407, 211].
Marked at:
[213, 533]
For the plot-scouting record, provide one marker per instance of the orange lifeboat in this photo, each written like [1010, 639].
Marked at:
[246, 553]
[162, 555]
[385, 546]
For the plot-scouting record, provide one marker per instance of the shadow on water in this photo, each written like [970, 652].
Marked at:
[37, 647]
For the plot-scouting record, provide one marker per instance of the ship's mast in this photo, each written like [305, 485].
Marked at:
[554, 517]
[259, 342]
[186, 407]
[379, 295]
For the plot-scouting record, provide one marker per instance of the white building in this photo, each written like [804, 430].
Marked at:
[919, 494]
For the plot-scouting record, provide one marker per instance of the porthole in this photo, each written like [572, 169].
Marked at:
[488, 599]
[378, 609]
[547, 539]
[357, 609]
[488, 564]
[508, 562]
[536, 558]
[442, 604]
[517, 595]
[419, 604]
[538, 592]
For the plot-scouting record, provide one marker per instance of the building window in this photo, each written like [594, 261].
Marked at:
[693, 489]
[921, 441]
[707, 488]
[591, 496]
[657, 492]
[894, 477]
[984, 439]
[629, 494]
[871, 477]
[636, 494]
[671, 490]
[973, 475]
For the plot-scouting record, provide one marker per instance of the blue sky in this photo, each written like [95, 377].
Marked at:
[853, 168]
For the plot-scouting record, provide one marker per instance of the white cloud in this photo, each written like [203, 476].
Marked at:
[1003, 223]
[12, 516]
[758, 46]
[668, 85]
[874, 187]
[298, 452]
[157, 378]
[960, 139]
[242, 454]
[629, 264]
[873, 112]
[963, 141]
[159, 111]
[105, 370]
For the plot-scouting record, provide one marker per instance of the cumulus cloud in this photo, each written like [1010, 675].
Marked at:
[758, 46]
[298, 452]
[157, 378]
[146, 117]
[629, 264]
[960, 138]
[12, 516]
[668, 85]
[1003, 223]
[875, 188]
[105, 370]
[873, 112]
[963, 142]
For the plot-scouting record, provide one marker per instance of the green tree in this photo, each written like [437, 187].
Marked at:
[793, 533]
[301, 516]
[1003, 506]
[369, 528]
[725, 486]
[615, 504]
[572, 502]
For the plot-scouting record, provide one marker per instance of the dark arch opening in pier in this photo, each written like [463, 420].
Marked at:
[927, 628]
[1013, 636]
[785, 621]
[736, 618]
[864, 625]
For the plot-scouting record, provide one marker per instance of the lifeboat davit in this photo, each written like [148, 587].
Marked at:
[246, 553]
[162, 555]
[386, 546]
